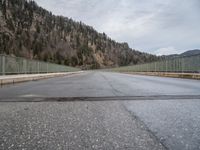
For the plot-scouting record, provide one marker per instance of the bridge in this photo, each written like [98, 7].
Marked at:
[102, 109]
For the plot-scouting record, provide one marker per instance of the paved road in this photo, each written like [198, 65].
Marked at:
[98, 84]
[110, 111]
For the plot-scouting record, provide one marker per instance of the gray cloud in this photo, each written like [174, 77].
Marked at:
[147, 25]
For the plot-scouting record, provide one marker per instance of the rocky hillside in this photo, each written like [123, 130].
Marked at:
[30, 31]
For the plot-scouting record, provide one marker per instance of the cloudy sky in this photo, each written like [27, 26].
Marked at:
[154, 26]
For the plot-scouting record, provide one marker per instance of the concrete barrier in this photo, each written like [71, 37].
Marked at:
[11, 79]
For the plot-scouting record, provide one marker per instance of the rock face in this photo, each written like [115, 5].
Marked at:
[30, 31]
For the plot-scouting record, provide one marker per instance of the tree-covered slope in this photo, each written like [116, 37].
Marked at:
[30, 31]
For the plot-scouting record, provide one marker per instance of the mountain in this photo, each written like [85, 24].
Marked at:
[28, 30]
[191, 53]
[185, 54]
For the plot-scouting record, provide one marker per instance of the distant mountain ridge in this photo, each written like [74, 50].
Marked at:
[191, 52]
[184, 54]
[30, 31]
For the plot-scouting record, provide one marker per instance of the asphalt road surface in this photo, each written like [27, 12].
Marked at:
[99, 110]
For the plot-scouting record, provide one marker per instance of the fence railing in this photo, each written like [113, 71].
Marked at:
[18, 65]
[179, 64]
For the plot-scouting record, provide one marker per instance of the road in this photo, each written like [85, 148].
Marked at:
[101, 110]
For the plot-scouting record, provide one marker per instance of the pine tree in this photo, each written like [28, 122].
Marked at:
[4, 9]
[1, 3]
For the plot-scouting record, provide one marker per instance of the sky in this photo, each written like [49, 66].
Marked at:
[159, 27]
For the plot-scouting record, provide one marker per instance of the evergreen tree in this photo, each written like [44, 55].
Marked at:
[4, 9]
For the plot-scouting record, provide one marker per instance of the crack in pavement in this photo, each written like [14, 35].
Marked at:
[111, 98]
[116, 91]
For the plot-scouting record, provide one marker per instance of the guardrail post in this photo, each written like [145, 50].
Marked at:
[3, 64]
[24, 66]
[182, 65]
[38, 67]
[47, 67]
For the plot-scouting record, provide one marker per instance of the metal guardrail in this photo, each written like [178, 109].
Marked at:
[18, 65]
[190, 64]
